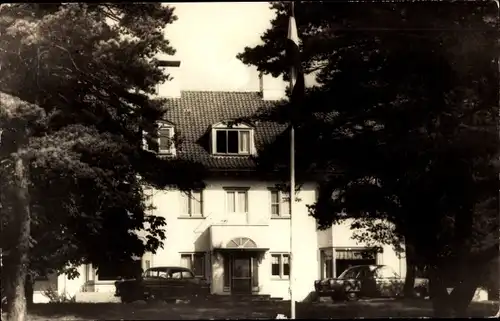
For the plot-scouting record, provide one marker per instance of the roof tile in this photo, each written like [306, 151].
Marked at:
[195, 111]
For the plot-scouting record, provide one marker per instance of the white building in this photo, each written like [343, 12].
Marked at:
[236, 232]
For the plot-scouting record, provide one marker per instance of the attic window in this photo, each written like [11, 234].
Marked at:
[164, 142]
[232, 141]
[237, 139]
[165, 136]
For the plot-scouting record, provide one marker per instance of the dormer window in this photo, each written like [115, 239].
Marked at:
[164, 143]
[165, 139]
[236, 140]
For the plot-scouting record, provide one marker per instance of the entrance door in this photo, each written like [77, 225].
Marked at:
[241, 275]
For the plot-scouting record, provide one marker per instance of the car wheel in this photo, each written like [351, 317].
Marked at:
[351, 296]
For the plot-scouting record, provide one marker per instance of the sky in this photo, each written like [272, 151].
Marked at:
[209, 35]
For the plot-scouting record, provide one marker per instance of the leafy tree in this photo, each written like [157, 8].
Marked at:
[77, 82]
[402, 126]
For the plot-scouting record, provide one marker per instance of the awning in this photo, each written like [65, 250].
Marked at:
[243, 249]
[366, 254]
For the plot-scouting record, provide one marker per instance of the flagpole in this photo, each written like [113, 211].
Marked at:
[292, 194]
[292, 205]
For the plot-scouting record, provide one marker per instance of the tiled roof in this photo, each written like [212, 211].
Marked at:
[195, 111]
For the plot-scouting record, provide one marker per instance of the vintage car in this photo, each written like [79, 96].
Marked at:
[367, 281]
[163, 283]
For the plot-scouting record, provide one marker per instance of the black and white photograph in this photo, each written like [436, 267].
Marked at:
[249, 160]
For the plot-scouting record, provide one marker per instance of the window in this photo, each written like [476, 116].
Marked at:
[164, 142]
[179, 274]
[232, 141]
[192, 203]
[350, 273]
[280, 203]
[156, 273]
[151, 273]
[175, 275]
[187, 275]
[326, 264]
[195, 262]
[237, 201]
[280, 265]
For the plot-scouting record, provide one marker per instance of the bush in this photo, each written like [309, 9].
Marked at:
[55, 297]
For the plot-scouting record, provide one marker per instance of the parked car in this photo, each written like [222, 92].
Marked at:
[164, 283]
[367, 281]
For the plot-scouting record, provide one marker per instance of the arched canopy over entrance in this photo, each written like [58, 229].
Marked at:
[241, 243]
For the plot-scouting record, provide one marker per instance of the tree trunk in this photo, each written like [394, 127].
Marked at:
[439, 295]
[408, 289]
[21, 224]
[461, 297]
[28, 290]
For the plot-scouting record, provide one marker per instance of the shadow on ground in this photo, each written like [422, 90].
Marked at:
[376, 308]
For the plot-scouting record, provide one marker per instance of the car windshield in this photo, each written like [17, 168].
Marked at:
[350, 273]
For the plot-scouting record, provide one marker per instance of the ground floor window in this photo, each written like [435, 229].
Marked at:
[280, 265]
[334, 261]
[195, 262]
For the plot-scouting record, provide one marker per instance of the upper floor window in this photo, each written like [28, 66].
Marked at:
[237, 200]
[165, 139]
[164, 143]
[192, 202]
[280, 203]
[236, 140]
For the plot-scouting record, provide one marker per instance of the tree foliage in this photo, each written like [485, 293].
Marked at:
[402, 121]
[78, 81]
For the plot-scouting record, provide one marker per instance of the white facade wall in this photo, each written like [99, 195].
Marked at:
[216, 228]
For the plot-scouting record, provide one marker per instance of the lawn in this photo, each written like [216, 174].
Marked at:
[256, 310]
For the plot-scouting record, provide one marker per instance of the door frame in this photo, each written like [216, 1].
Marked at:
[251, 259]
[248, 261]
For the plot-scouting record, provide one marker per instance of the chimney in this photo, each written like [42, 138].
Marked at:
[171, 88]
[271, 88]
[261, 84]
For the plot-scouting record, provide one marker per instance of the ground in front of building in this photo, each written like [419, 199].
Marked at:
[374, 308]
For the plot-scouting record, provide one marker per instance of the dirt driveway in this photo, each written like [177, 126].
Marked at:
[256, 310]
